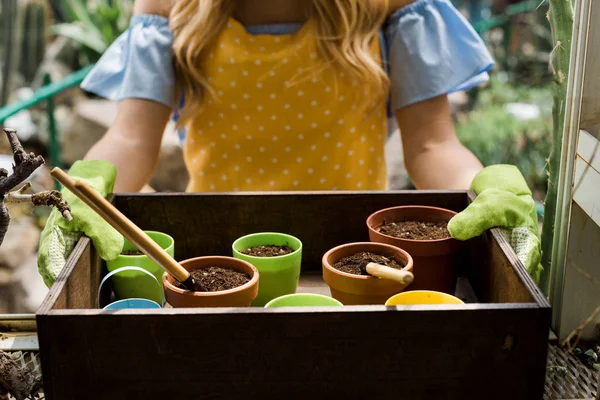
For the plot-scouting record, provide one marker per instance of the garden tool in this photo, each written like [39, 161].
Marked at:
[128, 229]
[385, 272]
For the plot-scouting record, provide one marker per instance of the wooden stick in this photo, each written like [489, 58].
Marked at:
[384, 272]
[122, 224]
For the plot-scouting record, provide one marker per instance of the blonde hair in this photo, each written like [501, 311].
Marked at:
[344, 32]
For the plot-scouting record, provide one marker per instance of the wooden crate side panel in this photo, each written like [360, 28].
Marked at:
[496, 274]
[507, 275]
[76, 287]
[320, 220]
[300, 355]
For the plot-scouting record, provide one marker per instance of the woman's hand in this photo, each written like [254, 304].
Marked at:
[434, 157]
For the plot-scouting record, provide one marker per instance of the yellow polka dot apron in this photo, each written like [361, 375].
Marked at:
[275, 125]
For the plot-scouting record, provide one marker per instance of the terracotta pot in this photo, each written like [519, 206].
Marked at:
[350, 289]
[435, 261]
[241, 296]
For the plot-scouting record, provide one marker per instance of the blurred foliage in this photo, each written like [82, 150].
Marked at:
[522, 45]
[497, 136]
[93, 25]
[521, 48]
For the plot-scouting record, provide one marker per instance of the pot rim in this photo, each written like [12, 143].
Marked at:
[310, 295]
[372, 228]
[293, 253]
[326, 265]
[140, 256]
[253, 281]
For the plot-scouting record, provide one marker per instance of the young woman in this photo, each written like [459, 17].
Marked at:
[290, 95]
[286, 95]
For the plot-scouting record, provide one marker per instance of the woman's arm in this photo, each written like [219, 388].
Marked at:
[434, 157]
[157, 7]
[133, 142]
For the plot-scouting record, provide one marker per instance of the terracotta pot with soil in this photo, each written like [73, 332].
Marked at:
[422, 231]
[343, 273]
[230, 283]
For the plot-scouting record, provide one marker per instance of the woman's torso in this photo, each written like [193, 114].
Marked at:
[277, 124]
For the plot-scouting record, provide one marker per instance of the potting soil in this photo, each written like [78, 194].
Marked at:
[131, 253]
[352, 264]
[268, 251]
[417, 230]
[216, 279]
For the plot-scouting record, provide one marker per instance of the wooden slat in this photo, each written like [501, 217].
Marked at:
[76, 287]
[586, 192]
[496, 273]
[373, 355]
[588, 148]
[582, 263]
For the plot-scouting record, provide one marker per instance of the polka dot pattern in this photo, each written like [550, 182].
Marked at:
[275, 128]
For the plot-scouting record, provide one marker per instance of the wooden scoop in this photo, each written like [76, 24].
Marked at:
[385, 272]
[128, 229]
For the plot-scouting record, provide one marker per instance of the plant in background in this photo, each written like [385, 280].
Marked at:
[35, 17]
[560, 17]
[25, 33]
[94, 25]
[496, 135]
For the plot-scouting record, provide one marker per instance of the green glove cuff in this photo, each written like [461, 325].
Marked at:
[99, 174]
[501, 177]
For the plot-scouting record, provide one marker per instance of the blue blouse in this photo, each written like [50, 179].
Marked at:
[429, 49]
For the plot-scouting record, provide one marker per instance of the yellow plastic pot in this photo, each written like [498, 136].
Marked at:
[416, 297]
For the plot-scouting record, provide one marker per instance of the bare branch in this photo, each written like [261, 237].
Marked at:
[25, 164]
[25, 188]
[4, 221]
[51, 198]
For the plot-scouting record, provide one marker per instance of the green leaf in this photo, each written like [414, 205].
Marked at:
[80, 34]
[80, 10]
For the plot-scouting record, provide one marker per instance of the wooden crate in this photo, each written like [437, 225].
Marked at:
[492, 348]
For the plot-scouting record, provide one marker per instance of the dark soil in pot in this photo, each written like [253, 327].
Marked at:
[268, 251]
[132, 253]
[216, 279]
[435, 259]
[417, 230]
[352, 264]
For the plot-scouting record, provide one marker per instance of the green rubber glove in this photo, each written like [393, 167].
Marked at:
[59, 236]
[504, 201]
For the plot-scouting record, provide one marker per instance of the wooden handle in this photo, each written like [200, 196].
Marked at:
[122, 224]
[384, 272]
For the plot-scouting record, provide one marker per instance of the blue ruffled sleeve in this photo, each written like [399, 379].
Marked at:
[433, 50]
[139, 64]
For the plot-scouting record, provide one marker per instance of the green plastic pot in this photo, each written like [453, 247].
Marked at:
[135, 284]
[303, 300]
[278, 276]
